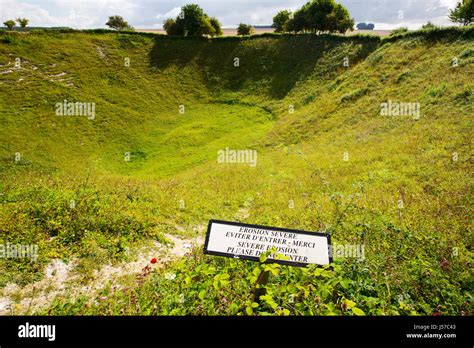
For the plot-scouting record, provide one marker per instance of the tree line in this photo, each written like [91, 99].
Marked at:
[316, 16]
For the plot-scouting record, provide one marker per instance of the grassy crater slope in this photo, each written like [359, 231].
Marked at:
[327, 160]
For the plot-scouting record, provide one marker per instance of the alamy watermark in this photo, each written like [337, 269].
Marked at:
[18, 251]
[37, 331]
[66, 108]
[340, 251]
[237, 156]
[392, 108]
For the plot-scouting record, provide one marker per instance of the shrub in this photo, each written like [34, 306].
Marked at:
[245, 29]
[467, 53]
[463, 96]
[23, 22]
[9, 24]
[399, 31]
[428, 25]
[7, 39]
[354, 95]
[118, 23]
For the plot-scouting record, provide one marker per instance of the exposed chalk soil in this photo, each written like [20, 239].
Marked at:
[62, 279]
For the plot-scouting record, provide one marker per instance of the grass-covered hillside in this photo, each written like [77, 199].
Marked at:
[94, 192]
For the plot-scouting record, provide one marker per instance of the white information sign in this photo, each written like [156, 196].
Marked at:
[232, 239]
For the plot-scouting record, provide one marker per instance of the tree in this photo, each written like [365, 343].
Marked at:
[217, 26]
[296, 24]
[172, 28]
[316, 14]
[320, 16]
[206, 27]
[192, 21]
[280, 21]
[9, 24]
[23, 22]
[327, 16]
[118, 23]
[463, 12]
[245, 29]
[339, 20]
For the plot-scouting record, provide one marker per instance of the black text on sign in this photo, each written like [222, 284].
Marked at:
[248, 242]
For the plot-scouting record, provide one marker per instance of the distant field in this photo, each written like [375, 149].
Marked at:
[233, 31]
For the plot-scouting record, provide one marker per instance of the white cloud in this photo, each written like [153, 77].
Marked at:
[449, 3]
[173, 13]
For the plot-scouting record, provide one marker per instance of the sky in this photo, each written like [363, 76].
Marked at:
[150, 14]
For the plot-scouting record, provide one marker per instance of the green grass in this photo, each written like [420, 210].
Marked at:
[417, 257]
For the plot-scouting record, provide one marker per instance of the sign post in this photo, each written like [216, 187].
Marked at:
[248, 242]
[260, 287]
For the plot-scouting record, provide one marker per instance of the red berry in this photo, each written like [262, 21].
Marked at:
[153, 260]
